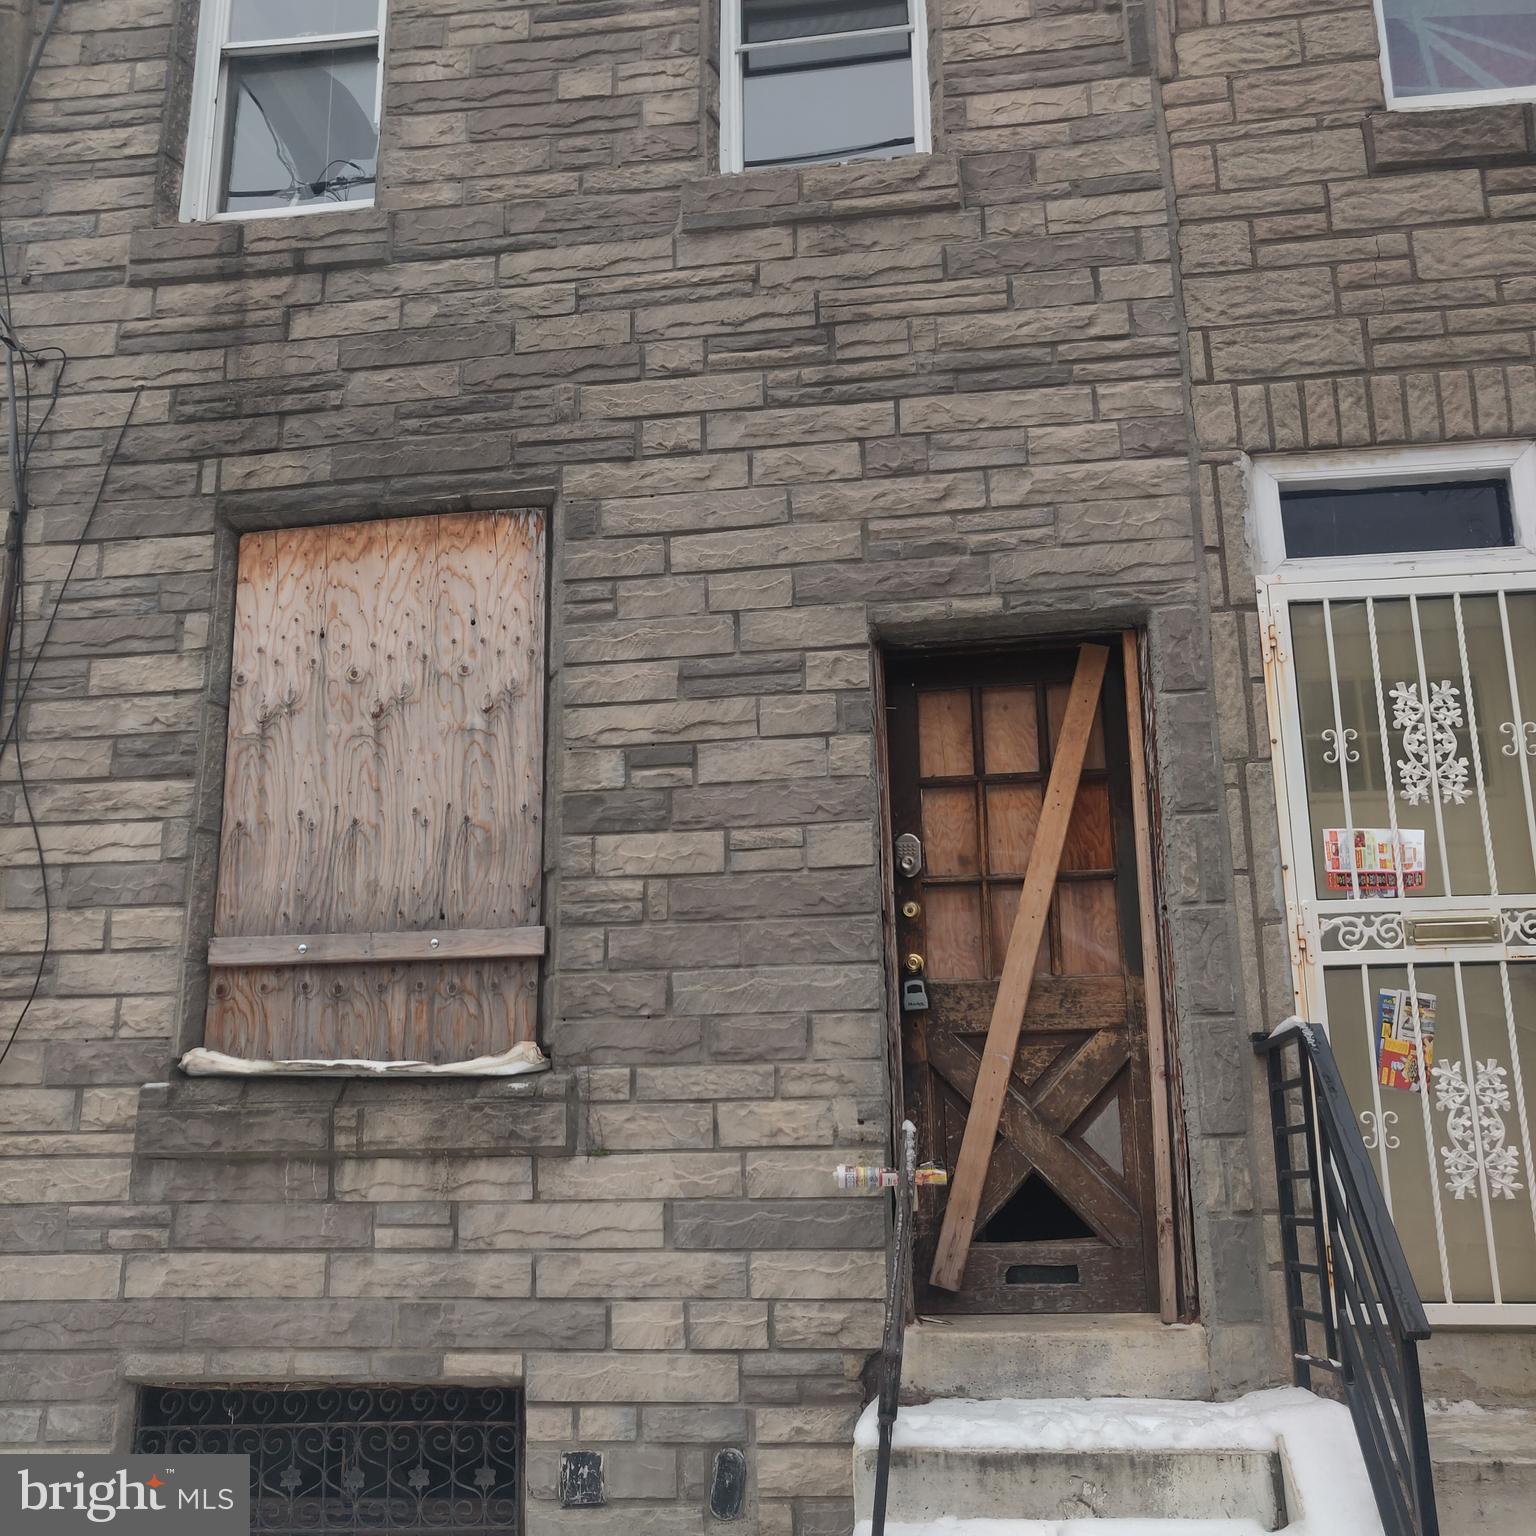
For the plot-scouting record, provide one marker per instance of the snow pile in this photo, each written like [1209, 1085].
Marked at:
[521, 1058]
[1328, 1491]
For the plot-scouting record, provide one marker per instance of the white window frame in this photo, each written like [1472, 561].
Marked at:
[207, 121]
[732, 64]
[1269, 476]
[1439, 101]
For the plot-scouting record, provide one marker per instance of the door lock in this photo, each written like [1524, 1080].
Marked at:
[910, 909]
[915, 964]
[909, 855]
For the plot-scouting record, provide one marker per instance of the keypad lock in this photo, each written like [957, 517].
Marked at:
[914, 995]
[909, 856]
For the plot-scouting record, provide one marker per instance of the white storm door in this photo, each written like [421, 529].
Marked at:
[1404, 716]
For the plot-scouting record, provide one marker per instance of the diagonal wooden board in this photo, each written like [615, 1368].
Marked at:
[1018, 971]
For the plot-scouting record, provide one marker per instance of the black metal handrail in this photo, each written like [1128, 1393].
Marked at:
[1364, 1327]
[897, 1285]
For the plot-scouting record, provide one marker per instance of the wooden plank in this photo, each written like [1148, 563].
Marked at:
[344, 948]
[1157, 1054]
[383, 788]
[1101, 1204]
[1056, 1004]
[1018, 969]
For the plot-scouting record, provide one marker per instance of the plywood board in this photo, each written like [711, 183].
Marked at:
[386, 733]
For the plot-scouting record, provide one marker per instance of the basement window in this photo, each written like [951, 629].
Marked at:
[399, 1459]
[285, 108]
[1456, 53]
[808, 83]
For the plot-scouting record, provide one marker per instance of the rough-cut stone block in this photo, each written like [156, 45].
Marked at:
[607, 1378]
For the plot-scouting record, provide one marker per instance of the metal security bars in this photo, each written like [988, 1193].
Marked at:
[1405, 713]
[396, 1459]
[1355, 1317]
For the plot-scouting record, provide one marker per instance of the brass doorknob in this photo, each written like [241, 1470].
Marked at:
[914, 962]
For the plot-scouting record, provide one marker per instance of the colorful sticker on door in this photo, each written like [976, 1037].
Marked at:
[1398, 1037]
[1366, 860]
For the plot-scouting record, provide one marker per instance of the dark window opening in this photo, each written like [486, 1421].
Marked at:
[1035, 1214]
[360, 1459]
[1042, 1274]
[1397, 519]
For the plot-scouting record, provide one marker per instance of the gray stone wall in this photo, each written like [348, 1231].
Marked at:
[780, 419]
[1353, 278]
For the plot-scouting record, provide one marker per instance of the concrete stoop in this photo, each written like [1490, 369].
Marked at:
[1025, 1357]
[1279, 1461]
[1485, 1468]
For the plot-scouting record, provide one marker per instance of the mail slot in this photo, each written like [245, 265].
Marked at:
[1454, 930]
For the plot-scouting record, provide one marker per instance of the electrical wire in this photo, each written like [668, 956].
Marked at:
[22, 439]
[12, 735]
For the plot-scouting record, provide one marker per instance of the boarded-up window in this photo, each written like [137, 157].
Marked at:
[380, 857]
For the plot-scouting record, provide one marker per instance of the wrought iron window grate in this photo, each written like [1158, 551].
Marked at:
[400, 1459]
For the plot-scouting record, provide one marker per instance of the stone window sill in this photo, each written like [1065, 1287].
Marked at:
[792, 195]
[1412, 140]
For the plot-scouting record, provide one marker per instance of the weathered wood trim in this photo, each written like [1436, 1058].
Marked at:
[1157, 1052]
[348, 948]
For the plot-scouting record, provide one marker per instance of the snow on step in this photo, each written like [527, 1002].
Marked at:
[1326, 1488]
[1065, 1528]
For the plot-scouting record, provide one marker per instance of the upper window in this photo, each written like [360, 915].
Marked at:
[808, 83]
[285, 111]
[1453, 53]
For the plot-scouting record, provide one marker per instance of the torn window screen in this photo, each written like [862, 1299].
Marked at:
[302, 130]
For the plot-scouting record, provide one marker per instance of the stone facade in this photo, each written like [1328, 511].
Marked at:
[780, 419]
[1352, 278]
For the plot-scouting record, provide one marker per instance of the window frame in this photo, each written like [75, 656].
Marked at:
[1268, 477]
[208, 118]
[732, 71]
[1443, 101]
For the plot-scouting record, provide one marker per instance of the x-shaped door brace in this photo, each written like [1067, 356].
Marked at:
[1032, 1134]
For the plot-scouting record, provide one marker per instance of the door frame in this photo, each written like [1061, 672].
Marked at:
[1281, 582]
[1173, 1214]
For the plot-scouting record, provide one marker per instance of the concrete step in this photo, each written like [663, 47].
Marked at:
[1114, 1355]
[973, 1484]
[1097, 1466]
[1485, 1468]
[1065, 1528]
[1495, 1367]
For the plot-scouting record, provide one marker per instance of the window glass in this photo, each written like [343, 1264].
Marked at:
[1439, 47]
[817, 86]
[823, 112]
[1397, 519]
[301, 129]
[263, 20]
[768, 20]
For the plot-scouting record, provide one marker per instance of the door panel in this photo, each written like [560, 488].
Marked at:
[1065, 1222]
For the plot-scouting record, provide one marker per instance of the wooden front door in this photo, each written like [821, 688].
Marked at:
[1066, 1222]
